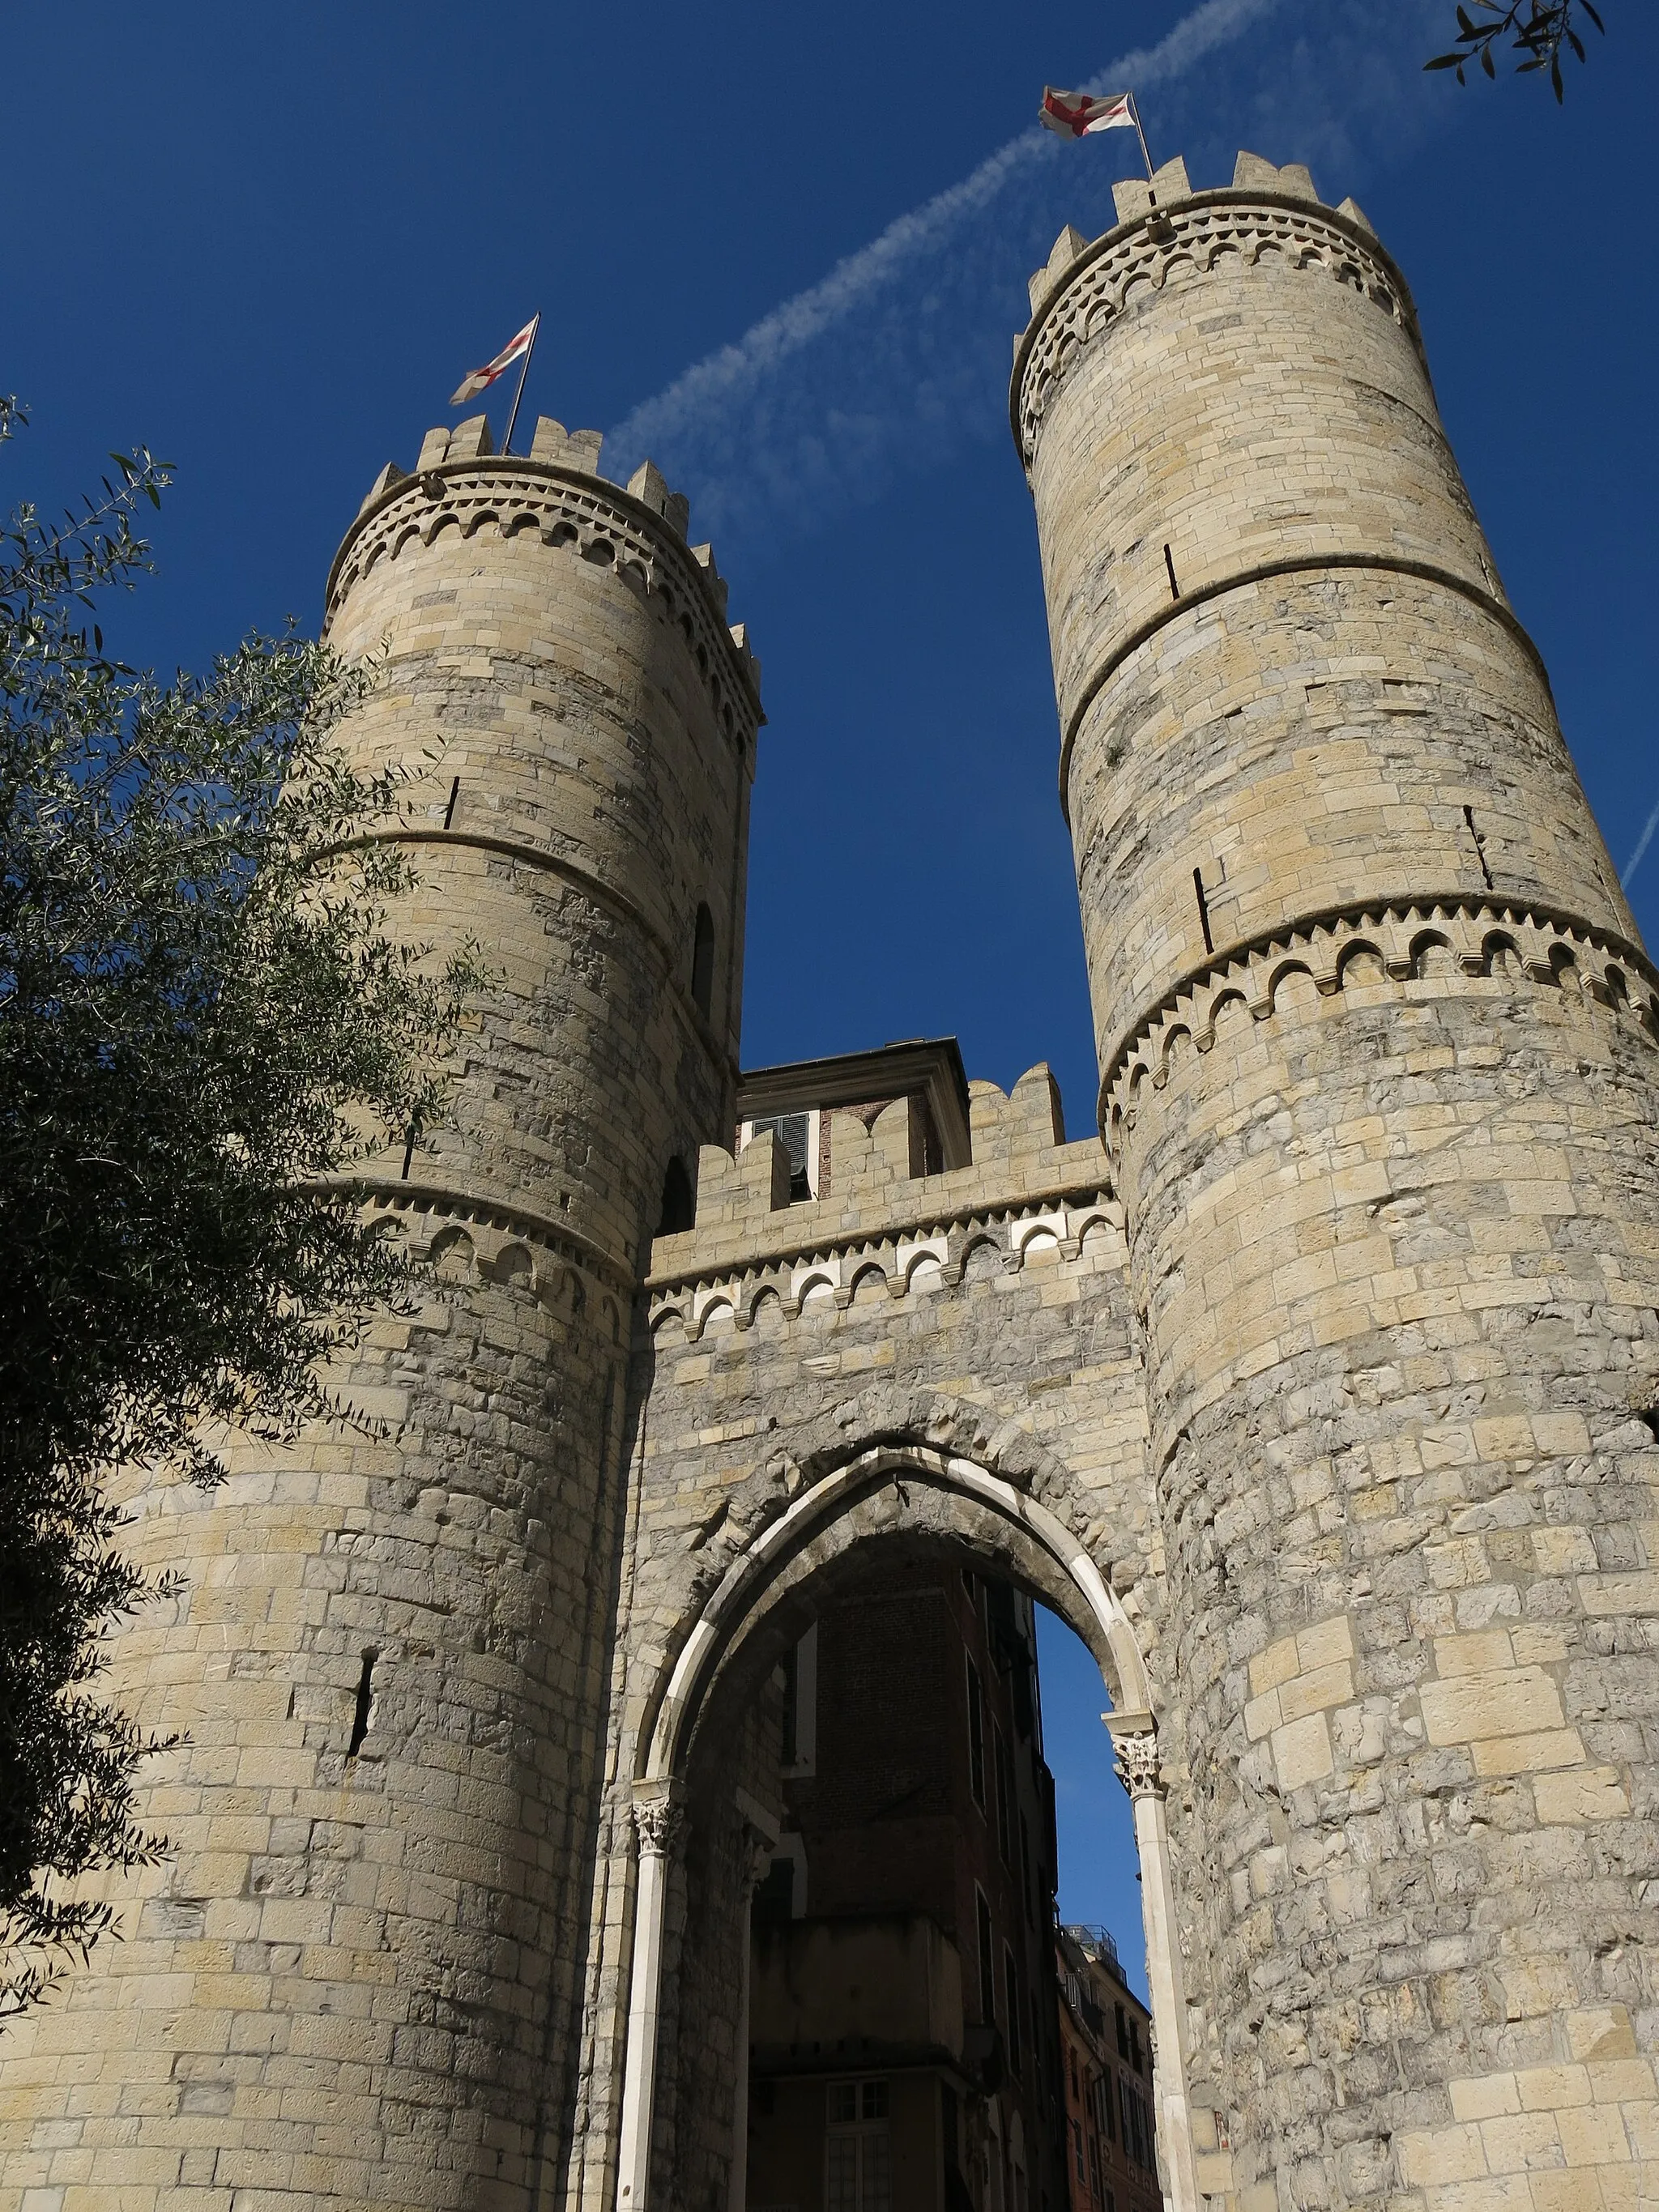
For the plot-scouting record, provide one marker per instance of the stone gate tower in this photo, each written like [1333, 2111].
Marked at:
[1377, 1048]
[1319, 1391]
[358, 1980]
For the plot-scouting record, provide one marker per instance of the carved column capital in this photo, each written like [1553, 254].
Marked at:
[1134, 1741]
[660, 1823]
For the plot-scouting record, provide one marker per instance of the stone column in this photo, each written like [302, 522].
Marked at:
[1134, 1741]
[660, 1823]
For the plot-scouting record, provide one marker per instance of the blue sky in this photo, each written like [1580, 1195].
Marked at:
[268, 241]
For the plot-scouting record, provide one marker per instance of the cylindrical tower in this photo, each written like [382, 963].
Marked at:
[1377, 1054]
[358, 1979]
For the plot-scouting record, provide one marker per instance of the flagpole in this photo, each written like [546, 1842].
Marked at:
[535, 323]
[1144, 156]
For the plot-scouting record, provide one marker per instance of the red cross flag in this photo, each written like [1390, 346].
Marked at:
[482, 379]
[1080, 114]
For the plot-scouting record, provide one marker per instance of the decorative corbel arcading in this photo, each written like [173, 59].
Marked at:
[1543, 946]
[597, 522]
[936, 1251]
[478, 1237]
[1174, 244]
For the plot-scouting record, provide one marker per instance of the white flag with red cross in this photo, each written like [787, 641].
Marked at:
[482, 379]
[1081, 114]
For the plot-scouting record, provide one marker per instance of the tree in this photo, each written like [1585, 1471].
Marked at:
[1540, 29]
[204, 1026]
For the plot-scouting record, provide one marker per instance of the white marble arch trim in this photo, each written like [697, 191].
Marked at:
[721, 1624]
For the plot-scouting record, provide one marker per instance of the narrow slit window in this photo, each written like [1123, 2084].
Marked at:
[1203, 909]
[702, 961]
[361, 1718]
[679, 1205]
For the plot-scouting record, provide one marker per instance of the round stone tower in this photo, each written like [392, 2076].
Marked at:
[1378, 1055]
[358, 1980]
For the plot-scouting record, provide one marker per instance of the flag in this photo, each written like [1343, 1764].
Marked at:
[1079, 114]
[482, 379]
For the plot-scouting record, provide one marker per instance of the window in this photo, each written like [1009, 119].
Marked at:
[1027, 1887]
[791, 1670]
[1108, 2124]
[775, 1895]
[1136, 2126]
[702, 961]
[858, 2154]
[1122, 2032]
[987, 1989]
[1094, 2166]
[798, 1138]
[1077, 2149]
[781, 1895]
[1016, 2005]
[976, 1736]
[1076, 2091]
[679, 1205]
[800, 1704]
[1004, 1797]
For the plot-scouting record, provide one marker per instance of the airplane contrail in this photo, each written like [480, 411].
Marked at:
[898, 355]
[762, 348]
[1642, 844]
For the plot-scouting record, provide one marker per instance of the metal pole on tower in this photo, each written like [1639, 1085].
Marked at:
[535, 324]
[1144, 156]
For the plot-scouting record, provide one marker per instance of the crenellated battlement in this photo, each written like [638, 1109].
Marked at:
[1026, 1187]
[459, 483]
[1167, 234]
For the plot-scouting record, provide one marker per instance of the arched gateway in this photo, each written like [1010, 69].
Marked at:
[896, 1493]
[1319, 1391]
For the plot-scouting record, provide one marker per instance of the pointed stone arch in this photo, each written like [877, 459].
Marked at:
[896, 1487]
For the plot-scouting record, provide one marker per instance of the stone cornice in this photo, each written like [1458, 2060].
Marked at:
[833, 1268]
[1548, 943]
[597, 519]
[1194, 233]
[505, 1219]
[1313, 564]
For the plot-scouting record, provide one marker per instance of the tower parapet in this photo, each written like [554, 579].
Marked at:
[576, 714]
[1289, 679]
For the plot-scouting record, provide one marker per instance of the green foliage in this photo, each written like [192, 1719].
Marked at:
[204, 1027]
[1540, 29]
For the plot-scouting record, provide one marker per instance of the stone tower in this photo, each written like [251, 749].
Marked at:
[1375, 1042]
[358, 1981]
